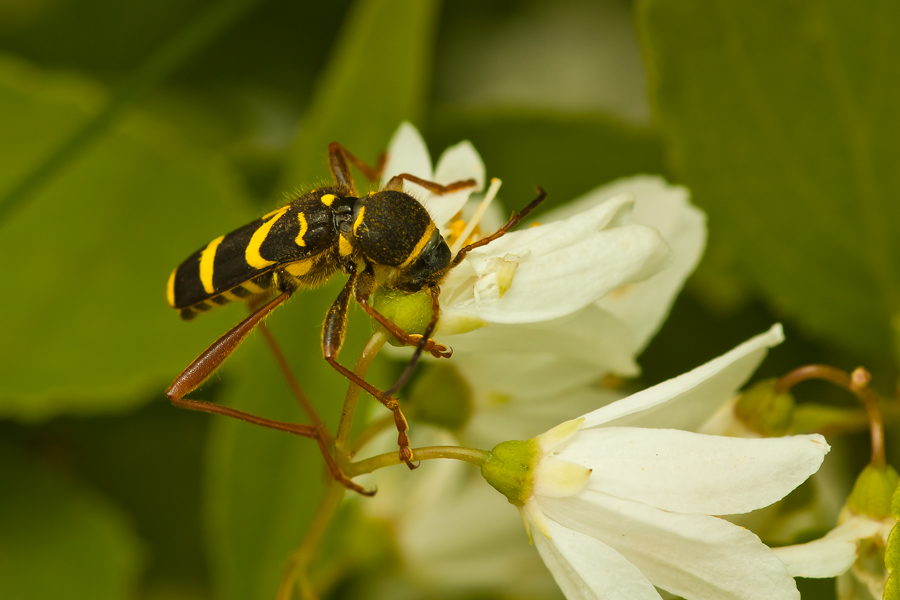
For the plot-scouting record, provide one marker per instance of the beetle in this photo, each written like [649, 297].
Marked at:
[304, 243]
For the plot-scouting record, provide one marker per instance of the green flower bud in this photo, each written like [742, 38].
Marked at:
[510, 469]
[411, 312]
[440, 396]
[872, 492]
[764, 411]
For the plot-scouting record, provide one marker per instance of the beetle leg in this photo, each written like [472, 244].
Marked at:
[337, 161]
[396, 184]
[422, 343]
[365, 287]
[333, 339]
[207, 363]
[513, 221]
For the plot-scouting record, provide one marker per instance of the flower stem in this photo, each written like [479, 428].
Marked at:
[469, 455]
[295, 573]
[371, 430]
[342, 441]
[857, 383]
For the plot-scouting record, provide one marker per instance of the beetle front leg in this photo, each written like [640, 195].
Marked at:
[365, 287]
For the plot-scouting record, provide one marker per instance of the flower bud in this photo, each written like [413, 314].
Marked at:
[440, 396]
[410, 312]
[872, 492]
[764, 411]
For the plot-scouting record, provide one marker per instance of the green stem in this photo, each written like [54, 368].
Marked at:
[469, 455]
[342, 441]
[168, 58]
[296, 570]
[858, 384]
[371, 430]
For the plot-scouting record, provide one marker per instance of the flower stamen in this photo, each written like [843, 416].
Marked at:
[460, 241]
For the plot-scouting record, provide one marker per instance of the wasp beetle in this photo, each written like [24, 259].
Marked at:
[304, 243]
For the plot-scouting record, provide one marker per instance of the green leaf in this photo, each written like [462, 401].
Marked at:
[87, 328]
[61, 541]
[781, 118]
[566, 154]
[377, 77]
[264, 486]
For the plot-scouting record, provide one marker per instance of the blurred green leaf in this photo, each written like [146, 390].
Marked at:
[60, 541]
[566, 154]
[89, 331]
[264, 486]
[377, 77]
[782, 119]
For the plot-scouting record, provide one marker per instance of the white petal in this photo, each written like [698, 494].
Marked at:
[468, 538]
[587, 569]
[458, 163]
[644, 306]
[407, 153]
[498, 418]
[552, 236]
[692, 473]
[571, 343]
[831, 555]
[686, 401]
[554, 284]
[696, 556]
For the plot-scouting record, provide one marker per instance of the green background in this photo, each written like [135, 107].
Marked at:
[132, 133]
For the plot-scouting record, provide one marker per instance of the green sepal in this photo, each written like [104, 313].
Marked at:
[510, 469]
[895, 503]
[764, 411]
[892, 550]
[440, 396]
[410, 312]
[892, 587]
[873, 490]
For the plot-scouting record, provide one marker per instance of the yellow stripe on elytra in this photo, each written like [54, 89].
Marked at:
[429, 231]
[304, 226]
[327, 199]
[251, 254]
[207, 260]
[359, 219]
[345, 247]
[170, 290]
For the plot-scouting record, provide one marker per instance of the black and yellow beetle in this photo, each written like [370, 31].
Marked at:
[304, 243]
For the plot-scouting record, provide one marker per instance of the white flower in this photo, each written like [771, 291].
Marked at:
[856, 550]
[623, 509]
[584, 291]
[835, 553]
[534, 274]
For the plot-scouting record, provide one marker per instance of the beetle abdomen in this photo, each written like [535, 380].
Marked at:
[241, 264]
